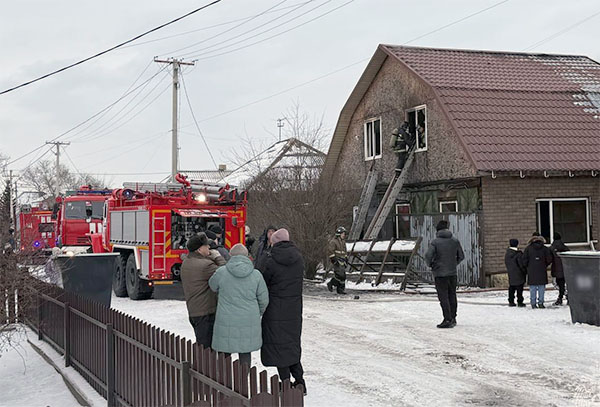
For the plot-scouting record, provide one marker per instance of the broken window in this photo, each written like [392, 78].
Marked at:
[448, 206]
[373, 139]
[569, 217]
[417, 126]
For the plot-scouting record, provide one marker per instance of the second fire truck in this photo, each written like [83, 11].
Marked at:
[149, 224]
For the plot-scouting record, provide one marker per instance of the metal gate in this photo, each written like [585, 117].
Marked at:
[466, 228]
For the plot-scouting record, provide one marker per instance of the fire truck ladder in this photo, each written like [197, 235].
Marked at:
[159, 244]
[364, 203]
[389, 199]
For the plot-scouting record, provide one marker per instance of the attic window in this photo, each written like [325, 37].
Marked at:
[417, 125]
[373, 139]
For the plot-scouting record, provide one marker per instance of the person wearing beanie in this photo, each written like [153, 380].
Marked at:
[282, 322]
[197, 268]
[558, 273]
[242, 300]
[513, 260]
[217, 245]
[218, 231]
[443, 256]
[536, 259]
[264, 246]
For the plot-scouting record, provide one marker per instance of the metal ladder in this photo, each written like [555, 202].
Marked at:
[363, 204]
[389, 199]
[159, 244]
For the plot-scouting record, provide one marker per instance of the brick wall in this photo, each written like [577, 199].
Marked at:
[510, 211]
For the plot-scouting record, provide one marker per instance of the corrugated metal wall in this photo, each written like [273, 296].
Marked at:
[465, 227]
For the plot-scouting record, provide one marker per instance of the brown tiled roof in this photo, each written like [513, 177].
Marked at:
[516, 111]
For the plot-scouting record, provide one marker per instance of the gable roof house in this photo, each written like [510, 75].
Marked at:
[510, 145]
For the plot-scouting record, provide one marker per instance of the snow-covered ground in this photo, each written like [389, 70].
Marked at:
[27, 380]
[384, 350]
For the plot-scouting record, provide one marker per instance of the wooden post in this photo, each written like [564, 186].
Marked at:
[409, 265]
[67, 334]
[39, 309]
[186, 392]
[110, 366]
[387, 252]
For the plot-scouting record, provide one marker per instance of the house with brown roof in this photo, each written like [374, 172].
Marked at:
[509, 144]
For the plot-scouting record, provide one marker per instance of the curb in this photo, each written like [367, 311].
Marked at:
[75, 391]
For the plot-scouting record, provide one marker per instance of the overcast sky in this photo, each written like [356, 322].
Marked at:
[134, 136]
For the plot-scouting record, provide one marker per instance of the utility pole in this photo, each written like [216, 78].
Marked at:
[174, 142]
[57, 144]
[280, 124]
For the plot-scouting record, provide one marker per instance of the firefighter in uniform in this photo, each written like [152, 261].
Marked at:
[339, 259]
[401, 142]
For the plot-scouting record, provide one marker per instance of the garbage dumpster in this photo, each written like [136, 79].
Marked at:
[88, 275]
[582, 274]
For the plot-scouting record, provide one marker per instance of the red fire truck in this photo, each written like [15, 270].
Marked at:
[79, 214]
[149, 225]
[35, 229]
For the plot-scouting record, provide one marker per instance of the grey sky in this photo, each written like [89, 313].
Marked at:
[39, 36]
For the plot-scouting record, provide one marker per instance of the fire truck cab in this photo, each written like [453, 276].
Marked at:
[149, 224]
[78, 215]
[35, 229]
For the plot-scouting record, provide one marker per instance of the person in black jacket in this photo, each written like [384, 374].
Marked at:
[443, 256]
[513, 259]
[264, 246]
[536, 258]
[557, 267]
[282, 321]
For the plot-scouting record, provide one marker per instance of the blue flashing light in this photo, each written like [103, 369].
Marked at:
[37, 244]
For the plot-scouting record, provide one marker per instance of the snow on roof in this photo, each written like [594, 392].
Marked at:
[284, 154]
[381, 246]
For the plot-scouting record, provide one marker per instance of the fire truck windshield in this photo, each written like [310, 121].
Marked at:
[77, 210]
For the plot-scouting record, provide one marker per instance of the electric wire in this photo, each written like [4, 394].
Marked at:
[109, 49]
[72, 163]
[229, 29]
[196, 122]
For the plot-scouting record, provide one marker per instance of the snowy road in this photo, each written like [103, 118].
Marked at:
[384, 350]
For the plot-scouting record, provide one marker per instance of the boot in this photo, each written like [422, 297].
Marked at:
[301, 383]
[512, 304]
[330, 285]
[341, 289]
[533, 306]
[453, 323]
[521, 305]
[558, 302]
[541, 306]
[445, 324]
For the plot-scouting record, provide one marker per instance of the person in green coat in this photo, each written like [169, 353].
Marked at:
[242, 299]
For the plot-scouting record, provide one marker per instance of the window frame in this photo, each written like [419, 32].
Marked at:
[374, 156]
[453, 201]
[550, 201]
[416, 109]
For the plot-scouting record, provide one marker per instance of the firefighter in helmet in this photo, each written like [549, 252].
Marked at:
[401, 142]
[339, 259]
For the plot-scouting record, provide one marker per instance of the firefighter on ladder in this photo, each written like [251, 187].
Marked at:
[339, 259]
[402, 142]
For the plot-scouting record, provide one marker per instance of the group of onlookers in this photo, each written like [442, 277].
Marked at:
[531, 266]
[237, 305]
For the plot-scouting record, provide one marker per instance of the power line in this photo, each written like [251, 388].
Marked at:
[229, 29]
[212, 26]
[196, 122]
[263, 32]
[561, 32]
[109, 49]
[72, 163]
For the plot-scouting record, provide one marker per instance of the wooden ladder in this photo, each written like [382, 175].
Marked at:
[363, 204]
[389, 199]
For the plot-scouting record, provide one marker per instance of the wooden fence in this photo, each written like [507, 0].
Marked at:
[131, 363]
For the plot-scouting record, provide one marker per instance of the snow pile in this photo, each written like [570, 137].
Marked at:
[381, 246]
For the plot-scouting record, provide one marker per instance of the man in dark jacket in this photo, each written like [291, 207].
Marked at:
[282, 321]
[513, 259]
[216, 245]
[556, 247]
[443, 256]
[197, 268]
[338, 256]
[264, 246]
[536, 258]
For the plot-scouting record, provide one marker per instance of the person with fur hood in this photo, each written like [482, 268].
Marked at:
[536, 259]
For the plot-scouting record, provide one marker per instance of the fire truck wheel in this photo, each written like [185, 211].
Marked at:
[137, 288]
[119, 285]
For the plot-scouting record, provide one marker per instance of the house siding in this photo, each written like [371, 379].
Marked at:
[510, 211]
[394, 90]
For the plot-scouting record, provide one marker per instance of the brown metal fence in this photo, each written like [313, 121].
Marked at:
[132, 363]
